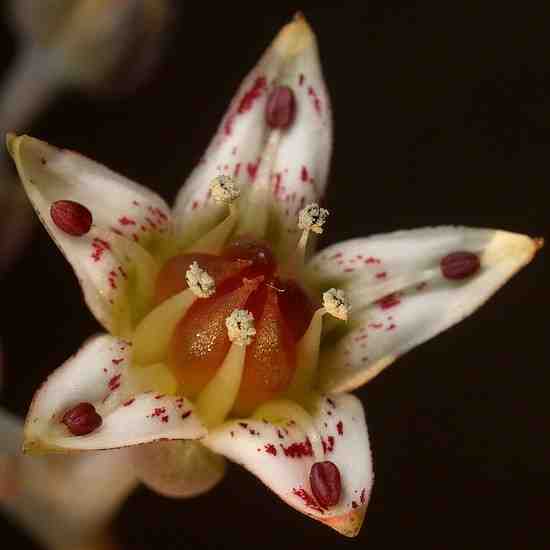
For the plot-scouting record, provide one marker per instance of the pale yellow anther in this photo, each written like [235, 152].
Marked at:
[225, 189]
[240, 327]
[312, 218]
[200, 283]
[336, 303]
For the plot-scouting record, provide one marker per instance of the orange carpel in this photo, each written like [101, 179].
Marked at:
[270, 358]
[171, 278]
[200, 341]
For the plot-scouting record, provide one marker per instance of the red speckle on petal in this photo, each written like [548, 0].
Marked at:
[381, 275]
[128, 403]
[271, 449]
[340, 428]
[301, 80]
[326, 484]
[304, 174]
[117, 361]
[82, 419]
[316, 101]
[251, 95]
[114, 382]
[185, 415]
[308, 499]
[99, 247]
[71, 217]
[126, 221]
[298, 450]
[252, 169]
[389, 301]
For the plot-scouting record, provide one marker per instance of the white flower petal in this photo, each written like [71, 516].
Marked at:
[399, 297]
[101, 374]
[281, 456]
[121, 210]
[289, 165]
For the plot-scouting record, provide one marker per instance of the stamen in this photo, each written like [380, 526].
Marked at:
[153, 334]
[218, 397]
[326, 483]
[280, 108]
[224, 189]
[199, 281]
[336, 304]
[82, 419]
[312, 218]
[71, 217]
[240, 327]
[307, 349]
[460, 265]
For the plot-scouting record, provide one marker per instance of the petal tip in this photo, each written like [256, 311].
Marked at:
[349, 524]
[294, 37]
[11, 142]
[515, 246]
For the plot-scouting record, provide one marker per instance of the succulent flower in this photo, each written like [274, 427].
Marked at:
[224, 337]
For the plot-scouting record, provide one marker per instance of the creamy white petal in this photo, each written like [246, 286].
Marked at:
[100, 374]
[400, 298]
[122, 211]
[282, 455]
[289, 165]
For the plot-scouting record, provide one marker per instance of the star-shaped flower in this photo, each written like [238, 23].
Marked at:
[224, 339]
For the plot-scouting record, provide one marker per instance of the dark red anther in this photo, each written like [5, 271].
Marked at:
[326, 484]
[71, 217]
[459, 265]
[280, 108]
[82, 419]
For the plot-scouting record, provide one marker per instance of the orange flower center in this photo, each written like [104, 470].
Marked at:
[246, 278]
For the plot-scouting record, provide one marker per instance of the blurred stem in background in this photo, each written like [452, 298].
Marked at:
[66, 502]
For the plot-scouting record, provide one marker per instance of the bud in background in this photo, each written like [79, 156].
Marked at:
[81, 43]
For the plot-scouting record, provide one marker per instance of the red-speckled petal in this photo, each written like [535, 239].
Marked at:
[282, 456]
[288, 165]
[100, 374]
[121, 210]
[399, 295]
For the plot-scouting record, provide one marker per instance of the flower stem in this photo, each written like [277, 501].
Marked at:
[62, 501]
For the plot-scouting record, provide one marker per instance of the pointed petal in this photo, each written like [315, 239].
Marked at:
[101, 374]
[122, 211]
[178, 468]
[287, 166]
[282, 457]
[399, 295]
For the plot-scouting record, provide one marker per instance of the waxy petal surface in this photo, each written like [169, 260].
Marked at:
[121, 211]
[399, 296]
[289, 165]
[281, 455]
[101, 374]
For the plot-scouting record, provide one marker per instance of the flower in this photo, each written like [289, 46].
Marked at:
[216, 346]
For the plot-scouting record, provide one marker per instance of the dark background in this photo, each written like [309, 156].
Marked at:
[442, 116]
